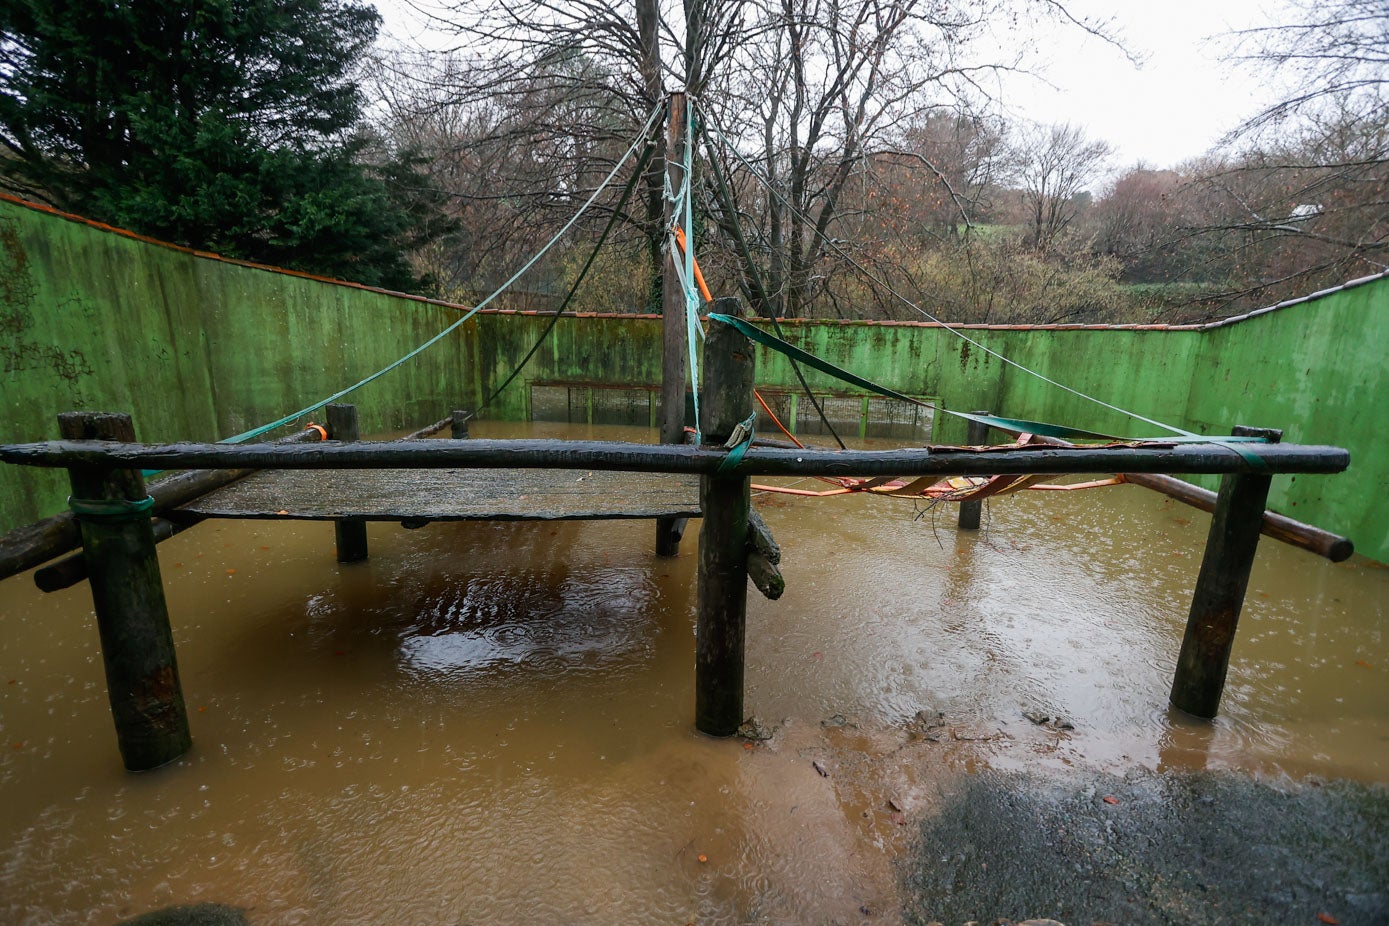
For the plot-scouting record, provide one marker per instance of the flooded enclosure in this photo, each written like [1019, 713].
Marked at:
[493, 722]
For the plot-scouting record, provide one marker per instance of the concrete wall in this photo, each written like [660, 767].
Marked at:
[200, 348]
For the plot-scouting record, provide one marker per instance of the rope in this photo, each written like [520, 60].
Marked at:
[708, 297]
[554, 319]
[256, 432]
[912, 305]
[682, 260]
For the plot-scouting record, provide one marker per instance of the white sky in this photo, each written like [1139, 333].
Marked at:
[1172, 106]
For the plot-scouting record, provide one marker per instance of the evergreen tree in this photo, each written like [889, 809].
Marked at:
[224, 125]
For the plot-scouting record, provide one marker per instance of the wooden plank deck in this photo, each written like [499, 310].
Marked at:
[451, 495]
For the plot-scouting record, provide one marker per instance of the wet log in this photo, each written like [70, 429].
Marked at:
[725, 500]
[350, 533]
[617, 456]
[68, 571]
[430, 429]
[760, 538]
[34, 544]
[674, 330]
[976, 435]
[1220, 587]
[1280, 527]
[137, 643]
[765, 576]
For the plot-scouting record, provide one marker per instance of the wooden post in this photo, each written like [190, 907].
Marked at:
[1220, 587]
[674, 350]
[351, 532]
[137, 644]
[460, 423]
[976, 435]
[723, 535]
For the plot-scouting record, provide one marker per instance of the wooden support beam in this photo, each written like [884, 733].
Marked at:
[1220, 587]
[459, 423]
[137, 644]
[617, 456]
[760, 538]
[351, 533]
[34, 544]
[70, 570]
[763, 555]
[765, 576]
[721, 615]
[674, 349]
[976, 435]
[430, 429]
[1287, 530]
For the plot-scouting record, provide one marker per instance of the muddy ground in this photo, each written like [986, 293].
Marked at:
[1189, 848]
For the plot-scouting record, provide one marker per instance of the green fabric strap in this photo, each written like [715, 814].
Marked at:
[1016, 425]
[740, 440]
[111, 509]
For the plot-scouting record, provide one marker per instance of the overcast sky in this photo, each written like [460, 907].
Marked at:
[1172, 106]
[1175, 104]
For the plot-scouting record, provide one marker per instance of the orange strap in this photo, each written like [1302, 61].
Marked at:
[322, 431]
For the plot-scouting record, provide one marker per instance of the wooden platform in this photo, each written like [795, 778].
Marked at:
[452, 495]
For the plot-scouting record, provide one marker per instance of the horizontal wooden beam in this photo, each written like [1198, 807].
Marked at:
[673, 458]
[1280, 527]
[34, 544]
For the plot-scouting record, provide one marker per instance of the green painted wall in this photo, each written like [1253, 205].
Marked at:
[198, 348]
[194, 348]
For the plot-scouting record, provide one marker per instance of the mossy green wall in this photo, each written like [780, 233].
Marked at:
[201, 349]
[193, 348]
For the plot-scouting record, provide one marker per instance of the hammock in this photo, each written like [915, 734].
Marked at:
[949, 489]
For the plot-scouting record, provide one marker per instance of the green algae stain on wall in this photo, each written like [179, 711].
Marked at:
[23, 350]
[200, 349]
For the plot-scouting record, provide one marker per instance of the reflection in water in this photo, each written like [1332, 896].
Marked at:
[492, 722]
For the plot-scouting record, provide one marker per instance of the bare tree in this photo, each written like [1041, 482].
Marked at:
[1326, 51]
[1302, 198]
[1054, 165]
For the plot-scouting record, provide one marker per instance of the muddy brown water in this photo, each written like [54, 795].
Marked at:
[492, 722]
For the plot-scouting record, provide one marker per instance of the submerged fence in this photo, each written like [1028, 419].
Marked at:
[199, 348]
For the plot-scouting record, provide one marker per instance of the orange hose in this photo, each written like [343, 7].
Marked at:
[699, 275]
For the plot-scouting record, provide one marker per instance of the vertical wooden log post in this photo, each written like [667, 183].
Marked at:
[976, 435]
[674, 350]
[723, 535]
[459, 423]
[137, 643]
[1220, 587]
[351, 532]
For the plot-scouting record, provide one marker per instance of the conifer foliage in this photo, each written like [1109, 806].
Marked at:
[225, 125]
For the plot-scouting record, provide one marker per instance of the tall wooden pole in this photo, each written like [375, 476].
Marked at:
[1220, 587]
[137, 643]
[351, 533]
[674, 349]
[975, 436]
[723, 537]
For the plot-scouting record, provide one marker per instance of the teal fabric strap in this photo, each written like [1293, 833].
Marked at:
[738, 443]
[111, 509]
